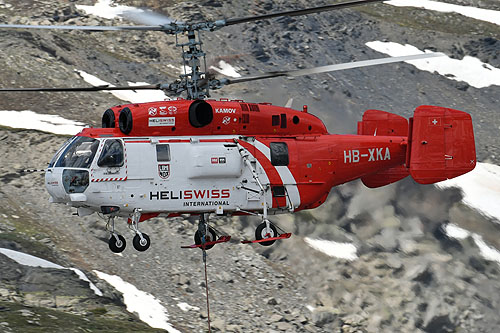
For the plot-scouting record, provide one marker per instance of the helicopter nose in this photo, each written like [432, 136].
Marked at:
[54, 185]
[67, 185]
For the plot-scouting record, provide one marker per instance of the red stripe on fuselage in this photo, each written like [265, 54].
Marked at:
[217, 140]
[175, 141]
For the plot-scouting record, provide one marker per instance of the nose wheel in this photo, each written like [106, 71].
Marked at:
[141, 242]
[117, 243]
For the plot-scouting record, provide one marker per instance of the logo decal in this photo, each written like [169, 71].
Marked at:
[152, 111]
[164, 170]
[162, 121]
[226, 120]
[218, 160]
[225, 110]
[163, 110]
[172, 109]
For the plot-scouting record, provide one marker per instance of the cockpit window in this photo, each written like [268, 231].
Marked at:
[58, 154]
[279, 153]
[79, 154]
[112, 154]
[162, 153]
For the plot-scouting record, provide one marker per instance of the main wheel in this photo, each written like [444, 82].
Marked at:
[141, 244]
[261, 233]
[117, 245]
[210, 237]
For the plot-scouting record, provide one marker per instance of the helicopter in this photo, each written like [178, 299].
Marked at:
[201, 156]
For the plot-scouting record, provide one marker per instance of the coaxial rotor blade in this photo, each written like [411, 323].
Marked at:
[332, 68]
[159, 22]
[300, 11]
[82, 27]
[96, 88]
[146, 17]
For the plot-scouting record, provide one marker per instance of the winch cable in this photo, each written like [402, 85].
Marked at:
[206, 284]
[203, 229]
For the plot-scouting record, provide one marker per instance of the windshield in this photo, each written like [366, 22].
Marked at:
[56, 156]
[79, 154]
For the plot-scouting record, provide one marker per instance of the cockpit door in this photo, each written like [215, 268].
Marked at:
[110, 164]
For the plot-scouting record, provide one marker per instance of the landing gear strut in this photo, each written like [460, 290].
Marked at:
[141, 240]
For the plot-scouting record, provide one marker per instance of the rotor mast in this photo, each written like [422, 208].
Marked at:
[191, 58]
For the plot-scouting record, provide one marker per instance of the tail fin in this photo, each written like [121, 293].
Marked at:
[441, 145]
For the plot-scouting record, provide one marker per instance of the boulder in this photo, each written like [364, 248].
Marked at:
[324, 315]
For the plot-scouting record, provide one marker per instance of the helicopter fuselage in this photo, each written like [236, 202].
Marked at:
[231, 157]
[174, 175]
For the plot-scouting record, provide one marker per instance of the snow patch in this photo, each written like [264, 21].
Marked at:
[226, 69]
[333, 249]
[107, 9]
[84, 277]
[147, 307]
[139, 96]
[42, 122]
[310, 308]
[487, 252]
[471, 70]
[29, 260]
[488, 15]
[480, 188]
[186, 307]
[454, 231]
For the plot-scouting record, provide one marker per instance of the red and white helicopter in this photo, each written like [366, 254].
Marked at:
[229, 157]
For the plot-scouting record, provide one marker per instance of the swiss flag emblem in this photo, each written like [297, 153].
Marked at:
[435, 121]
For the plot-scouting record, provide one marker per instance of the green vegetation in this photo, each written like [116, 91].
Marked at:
[26, 319]
[35, 248]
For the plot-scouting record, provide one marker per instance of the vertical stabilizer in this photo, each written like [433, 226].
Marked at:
[442, 144]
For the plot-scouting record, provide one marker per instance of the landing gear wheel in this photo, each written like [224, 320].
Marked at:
[210, 237]
[117, 245]
[141, 244]
[261, 233]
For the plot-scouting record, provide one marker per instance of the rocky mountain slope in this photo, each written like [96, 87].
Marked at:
[409, 276]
